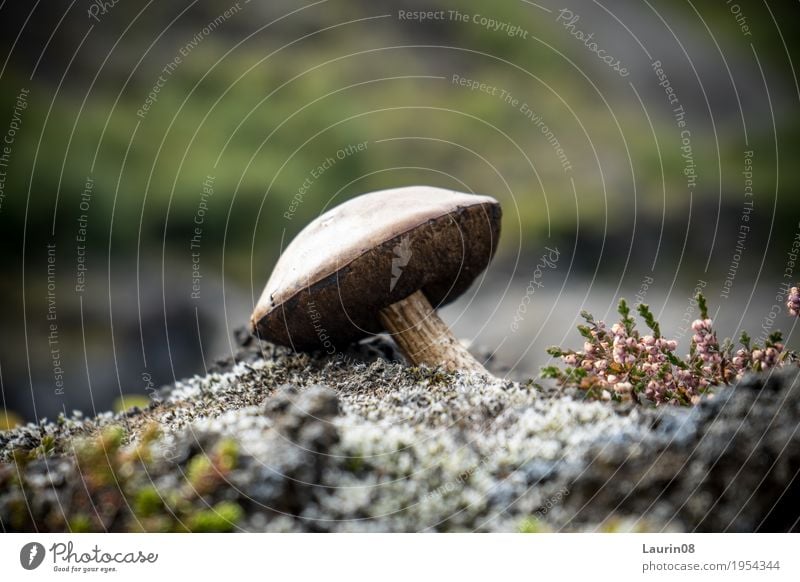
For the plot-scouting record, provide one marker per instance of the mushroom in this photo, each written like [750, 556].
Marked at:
[382, 261]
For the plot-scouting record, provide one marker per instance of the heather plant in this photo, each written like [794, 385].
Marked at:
[793, 303]
[621, 363]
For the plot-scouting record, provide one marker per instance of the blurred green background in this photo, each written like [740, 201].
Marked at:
[263, 95]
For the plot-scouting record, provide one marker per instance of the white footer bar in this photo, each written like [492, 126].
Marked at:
[356, 557]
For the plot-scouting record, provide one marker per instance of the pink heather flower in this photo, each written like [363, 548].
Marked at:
[706, 343]
[624, 349]
[623, 387]
[740, 362]
[652, 361]
[701, 325]
[793, 302]
[691, 382]
[766, 358]
[656, 391]
[770, 358]
[651, 368]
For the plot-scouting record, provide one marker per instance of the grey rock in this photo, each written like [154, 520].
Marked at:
[363, 443]
[730, 464]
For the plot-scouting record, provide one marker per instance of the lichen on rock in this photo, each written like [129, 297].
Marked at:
[277, 441]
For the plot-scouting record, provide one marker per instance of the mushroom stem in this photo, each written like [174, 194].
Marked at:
[424, 338]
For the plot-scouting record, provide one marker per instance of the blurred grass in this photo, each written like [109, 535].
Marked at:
[252, 123]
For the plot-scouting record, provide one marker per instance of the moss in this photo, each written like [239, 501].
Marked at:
[393, 452]
[149, 435]
[147, 502]
[355, 464]
[432, 376]
[9, 419]
[205, 473]
[223, 517]
[46, 447]
[227, 454]
[200, 473]
[18, 511]
[616, 524]
[21, 457]
[533, 525]
[111, 438]
[120, 488]
[99, 460]
[80, 523]
[156, 524]
[128, 401]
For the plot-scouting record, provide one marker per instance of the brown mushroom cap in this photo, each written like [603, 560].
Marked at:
[334, 278]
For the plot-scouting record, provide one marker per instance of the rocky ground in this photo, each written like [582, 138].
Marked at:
[278, 441]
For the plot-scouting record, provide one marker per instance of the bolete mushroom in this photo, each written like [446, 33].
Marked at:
[382, 261]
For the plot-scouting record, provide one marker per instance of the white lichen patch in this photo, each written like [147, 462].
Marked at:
[410, 452]
[302, 443]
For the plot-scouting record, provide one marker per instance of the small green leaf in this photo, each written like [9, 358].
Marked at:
[702, 305]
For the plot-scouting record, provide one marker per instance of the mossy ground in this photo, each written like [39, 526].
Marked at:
[290, 442]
